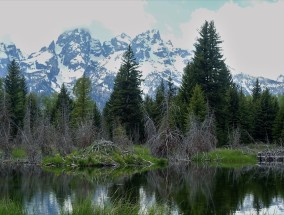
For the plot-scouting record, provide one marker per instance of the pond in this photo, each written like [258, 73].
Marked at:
[174, 190]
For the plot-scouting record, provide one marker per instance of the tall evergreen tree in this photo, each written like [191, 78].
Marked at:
[265, 116]
[278, 127]
[16, 90]
[62, 110]
[245, 117]
[232, 108]
[83, 105]
[256, 91]
[97, 117]
[159, 108]
[208, 69]
[171, 89]
[125, 104]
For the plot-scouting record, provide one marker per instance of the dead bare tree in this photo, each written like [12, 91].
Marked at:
[200, 137]
[5, 126]
[234, 138]
[85, 134]
[168, 139]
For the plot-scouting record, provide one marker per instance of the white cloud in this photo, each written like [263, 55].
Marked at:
[33, 24]
[253, 36]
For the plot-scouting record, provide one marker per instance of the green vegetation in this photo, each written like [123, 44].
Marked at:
[9, 207]
[227, 157]
[19, 153]
[103, 154]
[87, 207]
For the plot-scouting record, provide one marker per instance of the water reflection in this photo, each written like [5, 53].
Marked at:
[177, 189]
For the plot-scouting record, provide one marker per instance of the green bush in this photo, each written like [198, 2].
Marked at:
[56, 160]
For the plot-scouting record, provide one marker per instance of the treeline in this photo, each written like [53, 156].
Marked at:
[207, 110]
[46, 125]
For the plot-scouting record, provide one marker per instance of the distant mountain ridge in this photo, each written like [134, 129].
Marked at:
[76, 52]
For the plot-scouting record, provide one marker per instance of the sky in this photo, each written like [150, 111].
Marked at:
[252, 30]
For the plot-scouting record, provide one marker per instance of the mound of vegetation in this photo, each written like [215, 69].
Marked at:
[105, 153]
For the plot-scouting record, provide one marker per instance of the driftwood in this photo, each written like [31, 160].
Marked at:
[271, 156]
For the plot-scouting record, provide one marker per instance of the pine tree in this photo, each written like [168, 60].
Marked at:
[265, 116]
[245, 117]
[278, 126]
[171, 89]
[256, 91]
[32, 109]
[16, 90]
[83, 105]
[97, 117]
[197, 104]
[125, 104]
[159, 108]
[208, 69]
[61, 112]
[232, 108]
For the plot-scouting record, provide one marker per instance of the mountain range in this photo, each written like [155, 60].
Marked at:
[76, 52]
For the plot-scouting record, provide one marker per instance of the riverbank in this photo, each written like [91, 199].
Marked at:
[233, 157]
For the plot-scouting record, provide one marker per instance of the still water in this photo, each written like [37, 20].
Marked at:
[179, 189]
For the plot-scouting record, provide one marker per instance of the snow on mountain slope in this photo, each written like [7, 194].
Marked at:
[76, 52]
[247, 82]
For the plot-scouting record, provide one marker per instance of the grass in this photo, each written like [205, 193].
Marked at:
[87, 207]
[98, 155]
[227, 158]
[18, 153]
[8, 207]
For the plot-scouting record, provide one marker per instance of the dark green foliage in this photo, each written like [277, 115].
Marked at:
[125, 104]
[15, 88]
[97, 117]
[159, 107]
[256, 91]
[33, 109]
[245, 117]
[278, 127]
[265, 116]
[197, 104]
[171, 89]
[233, 108]
[83, 105]
[61, 112]
[208, 69]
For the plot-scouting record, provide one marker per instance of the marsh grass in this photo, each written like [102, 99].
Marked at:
[227, 158]
[9, 207]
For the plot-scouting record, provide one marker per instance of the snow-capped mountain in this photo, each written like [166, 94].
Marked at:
[246, 82]
[76, 52]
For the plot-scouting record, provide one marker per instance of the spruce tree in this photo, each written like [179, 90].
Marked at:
[125, 104]
[208, 69]
[256, 91]
[246, 119]
[83, 105]
[197, 104]
[16, 90]
[265, 116]
[232, 108]
[61, 112]
[159, 108]
[97, 117]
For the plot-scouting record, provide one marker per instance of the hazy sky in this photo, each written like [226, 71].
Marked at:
[252, 30]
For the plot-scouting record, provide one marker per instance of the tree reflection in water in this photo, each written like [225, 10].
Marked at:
[181, 189]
